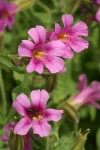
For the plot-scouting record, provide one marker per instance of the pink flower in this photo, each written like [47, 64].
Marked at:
[97, 16]
[7, 128]
[88, 95]
[71, 36]
[35, 113]
[98, 2]
[41, 53]
[5, 137]
[7, 12]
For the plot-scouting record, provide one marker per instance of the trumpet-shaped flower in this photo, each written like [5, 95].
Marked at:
[88, 95]
[35, 113]
[7, 12]
[71, 35]
[40, 53]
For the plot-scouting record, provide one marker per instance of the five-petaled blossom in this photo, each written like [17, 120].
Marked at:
[41, 53]
[35, 113]
[71, 36]
[87, 95]
[26, 138]
[7, 12]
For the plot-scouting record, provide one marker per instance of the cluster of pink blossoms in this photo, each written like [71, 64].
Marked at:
[48, 48]
[87, 95]
[7, 14]
[97, 16]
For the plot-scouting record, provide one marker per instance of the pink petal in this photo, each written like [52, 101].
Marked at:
[34, 35]
[31, 66]
[28, 44]
[2, 25]
[95, 85]
[53, 115]
[78, 44]
[39, 67]
[8, 126]
[80, 29]
[56, 48]
[53, 36]
[67, 20]
[38, 34]
[57, 28]
[4, 138]
[63, 70]
[23, 100]
[98, 15]
[41, 127]
[23, 51]
[39, 99]
[82, 82]
[68, 53]
[54, 64]
[82, 96]
[23, 126]
[10, 21]
[16, 105]
[42, 33]
[98, 2]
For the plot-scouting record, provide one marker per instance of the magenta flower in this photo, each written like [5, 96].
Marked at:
[71, 36]
[41, 53]
[97, 16]
[88, 95]
[7, 128]
[5, 137]
[35, 114]
[7, 12]
[98, 2]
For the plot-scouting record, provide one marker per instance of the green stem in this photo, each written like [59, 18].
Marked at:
[3, 93]
[47, 9]
[47, 144]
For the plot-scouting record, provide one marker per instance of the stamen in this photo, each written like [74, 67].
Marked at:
[5, 14]
[37, 55]
[62, 36]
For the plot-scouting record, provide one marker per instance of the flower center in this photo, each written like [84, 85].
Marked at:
[37, 118]
[34, 115]
[62, 37]
[38, 55]
[5, 15]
